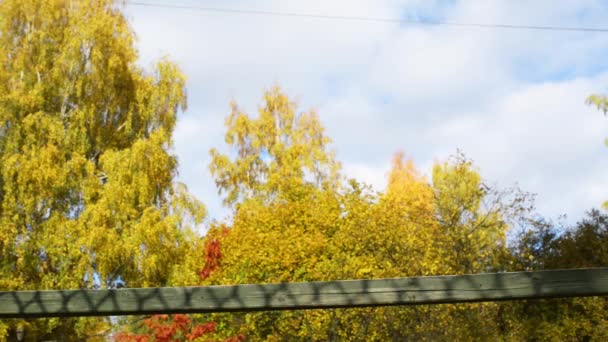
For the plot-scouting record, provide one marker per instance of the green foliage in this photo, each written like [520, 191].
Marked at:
[577, 319]
[587, 244]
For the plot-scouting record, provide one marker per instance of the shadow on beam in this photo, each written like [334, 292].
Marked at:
[310, 295]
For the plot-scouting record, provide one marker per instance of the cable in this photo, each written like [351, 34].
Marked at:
[369, 19]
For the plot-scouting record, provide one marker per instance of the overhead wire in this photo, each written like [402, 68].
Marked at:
[369, 19]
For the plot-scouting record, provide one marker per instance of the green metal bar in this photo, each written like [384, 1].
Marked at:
[310, 295]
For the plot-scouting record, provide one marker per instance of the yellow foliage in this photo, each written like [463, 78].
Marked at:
[474, 233]
[276, 152]
[289, 228]
[87, 191]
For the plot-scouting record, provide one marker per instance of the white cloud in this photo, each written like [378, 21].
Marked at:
[545, 138]
[512, 100]
[368, 174]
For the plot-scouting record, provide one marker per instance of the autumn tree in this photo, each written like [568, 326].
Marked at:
[281, 179]
[87, 191]
[385, 235]
[165, 328]
[455, 224]
[474, 219]
[295, 219]
[474, 216]
[276, 153]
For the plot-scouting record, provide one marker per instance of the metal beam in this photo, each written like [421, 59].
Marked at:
[310, 295]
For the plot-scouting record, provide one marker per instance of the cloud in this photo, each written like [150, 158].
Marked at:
[543, 137]
[367, 174]
[513, 100]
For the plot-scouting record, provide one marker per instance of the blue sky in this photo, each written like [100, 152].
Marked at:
[512, 100]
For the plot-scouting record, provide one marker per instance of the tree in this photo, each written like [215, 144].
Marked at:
[276, 152]
[294, 228]
[472, 216]
[87, 191]
[385, 235]
[163, 328]
[543, 247]
[282, 183]
[585, 245]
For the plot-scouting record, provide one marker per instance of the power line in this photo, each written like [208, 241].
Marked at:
[371, 19]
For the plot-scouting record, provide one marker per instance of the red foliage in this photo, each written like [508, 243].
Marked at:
[163, 328]
[126, 337]
[213, 255]
[201, 330]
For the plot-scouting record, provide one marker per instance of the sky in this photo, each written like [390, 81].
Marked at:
[512, 100]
